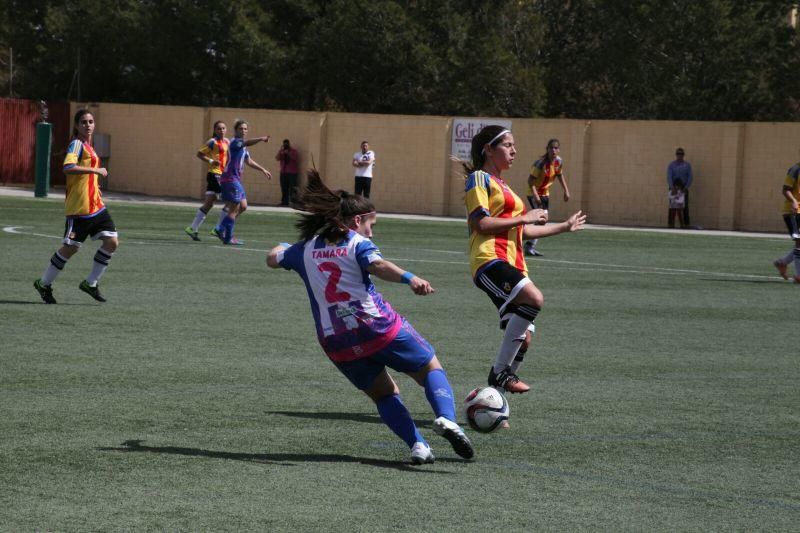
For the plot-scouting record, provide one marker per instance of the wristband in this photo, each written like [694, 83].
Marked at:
[406, 277]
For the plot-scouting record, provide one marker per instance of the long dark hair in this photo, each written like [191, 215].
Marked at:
[327, 212]
[487, 135]
[550, 143]
[79, 114]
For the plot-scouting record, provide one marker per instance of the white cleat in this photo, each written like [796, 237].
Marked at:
[455, 435]
[421, 454]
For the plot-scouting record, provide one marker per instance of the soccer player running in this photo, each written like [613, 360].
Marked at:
[231, 180]
[215, 153]
[544, 172]
[86, 213]
[498, 223]
[791, 216]
[357, 328]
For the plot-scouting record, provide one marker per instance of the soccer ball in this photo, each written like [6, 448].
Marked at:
[486, 409]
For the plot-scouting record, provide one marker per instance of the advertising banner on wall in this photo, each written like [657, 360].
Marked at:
[464, 129]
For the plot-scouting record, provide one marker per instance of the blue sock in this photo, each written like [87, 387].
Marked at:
[440, 394]
[227, 229]
[395, 415]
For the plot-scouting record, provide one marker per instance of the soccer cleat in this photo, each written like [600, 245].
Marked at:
[795, 279]
[455, 435]
[45, 291]
[235, 242]
[781, 269]
[507, 380]
[94, 292]
[191, 233]
[216, 233]
[421, 454]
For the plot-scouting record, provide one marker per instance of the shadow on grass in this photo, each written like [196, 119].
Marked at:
[37, 302]
[354, 417]
[282, 459]
[750, 281]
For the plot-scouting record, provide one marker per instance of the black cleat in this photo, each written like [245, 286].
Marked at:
[507, 380]
[45, 291]
[94, 292]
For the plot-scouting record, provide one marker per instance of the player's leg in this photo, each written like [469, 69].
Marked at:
[103, 228]
[74, 234]
[793, 227]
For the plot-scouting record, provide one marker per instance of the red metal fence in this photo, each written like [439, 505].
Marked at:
[18, 120]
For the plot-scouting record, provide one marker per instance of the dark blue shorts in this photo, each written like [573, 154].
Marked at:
[408, 352]
[233, 191]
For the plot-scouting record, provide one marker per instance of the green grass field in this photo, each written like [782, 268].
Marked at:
[664, 373]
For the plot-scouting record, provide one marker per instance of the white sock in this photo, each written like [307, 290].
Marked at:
[199, 218]
[57, 263]
[99, 266]
[788, 258]
[519, 357]
[512, 340]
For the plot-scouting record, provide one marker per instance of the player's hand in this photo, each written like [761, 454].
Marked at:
[535, 216]
[575, 222]
[265, 139]
[268, 174]
[214, 163]
[101, 172]
[420, 286]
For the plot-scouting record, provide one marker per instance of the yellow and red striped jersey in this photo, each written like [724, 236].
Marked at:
[544, 174]
[488, 195]
[792, 181]
[83, 196]
[216, 149]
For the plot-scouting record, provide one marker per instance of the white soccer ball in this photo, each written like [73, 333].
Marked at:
[486, 409]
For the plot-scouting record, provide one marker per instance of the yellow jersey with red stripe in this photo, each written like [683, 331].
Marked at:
[83, 196]
[792, 182]
[216, 149]
[544, 174]
[488, 195]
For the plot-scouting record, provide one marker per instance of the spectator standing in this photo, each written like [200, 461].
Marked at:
[680, 169]
[364, 161]
[287, 157]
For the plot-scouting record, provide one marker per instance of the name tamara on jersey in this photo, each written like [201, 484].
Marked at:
[328, 253]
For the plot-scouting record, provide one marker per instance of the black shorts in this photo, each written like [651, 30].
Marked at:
[792, 222]
[501, 282]
[76, 229]
[545, 202]
[212, 184]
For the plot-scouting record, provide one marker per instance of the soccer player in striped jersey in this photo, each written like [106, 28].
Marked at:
[791, 217]
[87, 215]
[215, 153]
[231, 180]
[498, 223]
[544, 172]
[357, 328]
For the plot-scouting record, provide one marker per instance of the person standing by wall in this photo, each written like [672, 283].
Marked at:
[215, 153]
[680, 169]
[287, 157]
[87, 215]
[544, 172]
[364, 161]
[677, 201]
[791, 217]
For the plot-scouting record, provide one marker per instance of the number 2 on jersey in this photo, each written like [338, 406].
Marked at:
[332, 294]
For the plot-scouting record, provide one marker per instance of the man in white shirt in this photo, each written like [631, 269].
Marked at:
[363, 161]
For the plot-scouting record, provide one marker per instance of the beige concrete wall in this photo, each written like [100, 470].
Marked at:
[616, 170]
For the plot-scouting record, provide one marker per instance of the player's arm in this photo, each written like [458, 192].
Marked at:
[273, 256]
[787, 193]
[253, 164]
[256, 140]
[75, 169]
[573, 223]
[492, 225]
[563, 181]
[388, 271]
